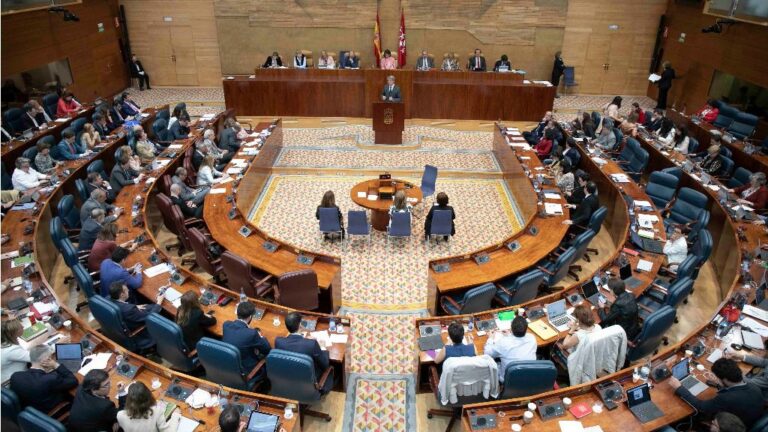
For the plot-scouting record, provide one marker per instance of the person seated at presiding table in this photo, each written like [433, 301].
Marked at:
[533, 136]
[143, 413]
[46, 383]
[544, 147]
[89, 138]
[252, 345]
[297, 343]
[390, 92]
[456, 346]
[145, 149]
[229, 419]
[44, 163]
[192, 320]
[476, 63]
[67, 148]
[584, 210]
[105, 246]
[325, 61]
[180, 128]
[623, 311]
[508, 348]
[399, 205]
[449, 63]
[754, 193]
[503, 64]
[273, 61]
[91, 228]
[25, 179]
[92, 410]
[186, 192]
[640, 113]
[441, 204]
[676, 248]
[740, 398]
[681, 140]
[606, 139]
[299, 60]
[207, 173]
[712, 163]
[583, 325]
[13, 358]
[67, 105]
[424, 62]
[666, 134]
[98, 199]
[329, 201]
[585, 125]
[709, 112]
[33, 119]
[351, 61]
[759, 379]
[628, 126]
[123, 174]
[112, 271]
[387, 61]
[94, 181]
[188, 207]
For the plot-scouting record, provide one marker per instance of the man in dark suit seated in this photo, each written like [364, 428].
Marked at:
[129, 108]
[32, 119]
[576, 196]
[67, 148]
[188, 207]
[138, 72]
[101, 126]
[533, 136]
[94, 181]
[187, 193]
[133, 316]
[476, 63]
[122, 175]
[350, 61]
[98, 200]
[180, 128]
[390, 92]
[580, 217]
[252, 345]
[297, 343]
[442, 204]
[228, 138]
[273, 61]
[92, 410]
[623, 311]
[90, 229]
[46, 383]
[502, 64]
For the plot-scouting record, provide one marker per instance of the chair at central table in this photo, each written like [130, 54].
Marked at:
[379, 204]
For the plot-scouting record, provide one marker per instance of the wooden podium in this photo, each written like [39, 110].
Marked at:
[388, 122]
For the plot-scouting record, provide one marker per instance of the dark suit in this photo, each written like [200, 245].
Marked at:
[665, 83]
[29, 123]
[102, 129]
[424, 63]
[272, 63]
[299, 344]
[121, 177]
[584, 210]
[350, 62]
[197, 159]
[744, 401]
[91, 204]
[137, 67]
[251, 344]
[500, 63]
[135, 317]
[624, 313]
[91, 413]
[42, 390]
[177, 131]
[117, 115]
[66, 151]
[190, 212]
[194, 328]
[557, 70]
[228, 140]
[129, 109]
[428, 220]
[472, 64]
[391, 92]
[110, 193]
[88, 234]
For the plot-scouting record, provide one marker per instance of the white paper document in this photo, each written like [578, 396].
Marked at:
[755, 326]
[553, 208]
[186, 424]
[755, 312]
[217, 191]
[322, 338]
[98, 361]
[646, 233]
[175, 146]
[644, 265]
[339, 338]
[362, 194]
[234, 170]
[654, 77]
[571, 426]
[156, 270]
[550, 195]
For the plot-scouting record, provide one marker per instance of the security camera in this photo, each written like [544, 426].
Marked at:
[718, 26]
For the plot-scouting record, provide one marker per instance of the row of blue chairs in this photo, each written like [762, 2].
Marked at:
[739, 124]
[28, 419]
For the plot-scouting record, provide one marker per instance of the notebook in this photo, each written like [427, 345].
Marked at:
[542, 330]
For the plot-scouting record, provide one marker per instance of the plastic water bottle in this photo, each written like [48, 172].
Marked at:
[332, 325]
[27, 284]
[243, 297]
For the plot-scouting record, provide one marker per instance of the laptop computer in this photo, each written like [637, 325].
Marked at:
[706, 178]
[681, 372]
[558, 315]
[647, 244]
[625, 271]
[262, 422]
[639, 402]
[591, 293]
[70, 355]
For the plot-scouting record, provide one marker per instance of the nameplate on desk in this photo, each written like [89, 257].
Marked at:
[244, 231]
[481, 258]
[305, 259]
[514, 246]
[269, 246]
[533, 230]
[441, 267]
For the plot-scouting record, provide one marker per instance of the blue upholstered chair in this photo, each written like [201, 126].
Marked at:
[673, 170]
[687, 208]
[727, 168]
[224, 366]
[160, 130]
[743, 126]
[82, 190]
[477, 299]
[112, 325]
[656, 297]
[527, 378]
[685, 269]
[725, 117]
[51, 104]
[77, 125]
[739, 178]
[580, 244]
[661, 188]
[442, 225]
[292, 376]
[556, 270]
[11, 406]
[330, 225]
[30, 154]
[693, 145]
[596, 118]
[651, 335]
[428, 181]
[702, 250]
[98, 166]
[399, 226]
[170, 345]
[569, 78]
[85, 282]
[639, 161]
[725, 151]
[357, 221]
[69, 214]
[32, 420]
[13, 120]
[524, 288]
[7, 183]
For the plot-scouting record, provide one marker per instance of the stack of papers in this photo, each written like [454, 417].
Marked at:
[339, 338]
[217, 191]
[644, 265]
[550, 195]
[654, 77]
[553, 208]
[546, 83]
[235, 170]
[620, 178]
[323, 338]
[207, 116]
[12, 254]
[240, 162]
[198, 399]
[156, 270]
[599, 160]
[645, 233]
[173, 296]
[98, 361]
[755, 312]
[643, 205]
[646, 220]
[175, 146]
[373, 197]
[362, 194]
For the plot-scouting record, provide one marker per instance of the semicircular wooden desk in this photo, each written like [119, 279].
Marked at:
[370, 194]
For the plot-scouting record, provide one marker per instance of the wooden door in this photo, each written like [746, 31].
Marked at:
[183, 47]
[617, 64]
[171, 56]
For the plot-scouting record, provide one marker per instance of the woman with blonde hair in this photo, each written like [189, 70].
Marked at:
[13, 358]
[90, 138]
[399, 205]
[329, 201]
[207, 173]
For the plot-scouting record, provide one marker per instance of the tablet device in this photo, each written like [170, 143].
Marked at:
[262, 422]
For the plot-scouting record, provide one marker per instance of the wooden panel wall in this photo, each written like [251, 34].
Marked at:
[190, 37]
[741, 50]
[33, 39]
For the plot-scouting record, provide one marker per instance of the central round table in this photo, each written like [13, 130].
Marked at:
[380, 207]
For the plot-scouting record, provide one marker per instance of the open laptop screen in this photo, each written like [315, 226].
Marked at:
[589, 289]
[555, 309]
[638, 395]
[680, 369]
[69, 351]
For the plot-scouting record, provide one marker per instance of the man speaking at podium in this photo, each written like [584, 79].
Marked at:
[391, 92]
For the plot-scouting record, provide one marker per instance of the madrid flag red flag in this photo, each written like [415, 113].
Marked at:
[377, 40]
[401, 44]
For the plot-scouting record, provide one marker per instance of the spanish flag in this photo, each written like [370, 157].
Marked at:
[377, 40]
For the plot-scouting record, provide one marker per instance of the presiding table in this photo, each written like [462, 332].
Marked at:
[379, 206]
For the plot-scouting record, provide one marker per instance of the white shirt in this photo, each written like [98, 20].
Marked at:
[26, 180]
[683, 146]
[205, 175]
[13, 358]
[669, 140]
[510, 348]
[300, 62]
[155, 422]
[676, 251]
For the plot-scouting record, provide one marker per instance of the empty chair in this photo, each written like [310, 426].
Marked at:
[687, 208]
[596, 118]
[702, 250]
[330, 223]
[112, 325]
[638, 162]
[292, 376]
[224, 366]
[11, 406]
[725, 151]
[657, 297]
[160, 131]
[739, 178]
[203, 256]
[58, 232]
[655, 326]
[693, 145]
[674, 170]
[521, 289]
[399, 226]
[69, 214]
[527, 378]
[442, 224]
[428, 181]
[50, 104]
[725, 116]
[569, 78]
[477, 299]
[555, 271]
[85, 283]
[298, 290]
[30, 154]
[357, 221]
[82, 190]
[77, 125]
[684, 269]
[661, 188]
[13, 120]
[580, 245]
[743, 126]
[32, 420]
[727, 168]
[169, 340]
[165, 184]
[242, 277]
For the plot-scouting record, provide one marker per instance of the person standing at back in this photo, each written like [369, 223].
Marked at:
[558, 68]
[665, 83]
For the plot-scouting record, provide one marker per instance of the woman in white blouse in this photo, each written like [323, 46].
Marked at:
[564, 178]
[13, 358]
[666, 134]
[143, 413]
[612, 109]
[326, 61]
[676, 249]
[207, 174]
[25, 178]
[682, 140]
[299, 60]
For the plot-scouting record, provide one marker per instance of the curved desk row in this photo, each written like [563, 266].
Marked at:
[15, 148]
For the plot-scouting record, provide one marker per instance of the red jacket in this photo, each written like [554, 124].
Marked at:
[708, 113]
[640, 116]
[543, 147]
[64, 108]
[759, 198]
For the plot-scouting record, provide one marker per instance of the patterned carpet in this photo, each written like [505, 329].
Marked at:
[380, 403]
